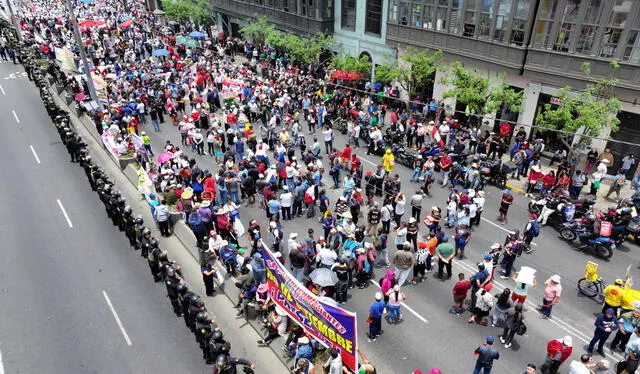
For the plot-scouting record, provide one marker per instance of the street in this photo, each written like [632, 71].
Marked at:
[68, 272]
[450, 341]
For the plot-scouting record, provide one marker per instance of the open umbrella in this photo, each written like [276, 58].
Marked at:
[110, 76]
[323, 277]
[197, 35]
[164, 157]
[339, 74]
[79, 96]
[91, 23]
[192, 43]
[182, 39]
[126, 23]
[160, 52]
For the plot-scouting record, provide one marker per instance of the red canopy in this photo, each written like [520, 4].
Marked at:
[126, 23]
[346, 75]
[91, 23]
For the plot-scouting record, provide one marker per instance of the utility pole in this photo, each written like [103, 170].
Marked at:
[83, 55]
[14, 19]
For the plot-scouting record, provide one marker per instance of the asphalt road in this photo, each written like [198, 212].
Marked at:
[58, 273]
[450, 341]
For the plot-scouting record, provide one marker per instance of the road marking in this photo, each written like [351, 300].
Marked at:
[15, 116]
[65, 213]
[2, 89]
[533, 307]
[501, 228]
[115, 315]
[1, 364]
[35, 154]
[369, 162]
[407, 307]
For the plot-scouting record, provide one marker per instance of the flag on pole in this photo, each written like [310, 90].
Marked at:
[435, 134]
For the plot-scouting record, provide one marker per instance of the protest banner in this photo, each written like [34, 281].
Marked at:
[333, 327]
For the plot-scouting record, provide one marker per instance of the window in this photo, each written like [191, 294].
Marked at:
[393, 11]
[416, 15]
[502, 20]
[615, 27]
[544, 25]
[519, 22]
[632, 51]
[456, 17]
[441, 15]
[470, 19]
[569, 19]
[428, 17]
[590, 26]
[486, 18]
[404, 13]
[348, 14]
[373, 19]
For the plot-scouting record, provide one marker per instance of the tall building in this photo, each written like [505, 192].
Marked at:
[299, 16]
[540, 44]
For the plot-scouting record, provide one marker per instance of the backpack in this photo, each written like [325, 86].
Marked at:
[280, 233]
[534, 231]
[367, 266]
[522, 329]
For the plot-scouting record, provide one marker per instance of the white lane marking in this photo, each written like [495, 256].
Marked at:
[35, 154]
[367, 161]
[501, 228]
[65, 214]
[2, 89]
[533, 307]
[407, 307]
[1, 364]
[115, 315]
[15, 116]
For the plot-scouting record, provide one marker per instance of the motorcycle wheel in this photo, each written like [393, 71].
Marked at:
[534, 208]
[588, 288]
[568, 234]
[604, 252]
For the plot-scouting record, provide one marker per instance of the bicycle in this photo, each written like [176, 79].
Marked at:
[592, 284]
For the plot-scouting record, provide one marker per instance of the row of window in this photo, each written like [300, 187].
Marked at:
[604, 28]
[373, 16]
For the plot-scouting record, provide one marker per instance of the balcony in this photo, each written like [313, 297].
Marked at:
[456, 47]
[284, 20]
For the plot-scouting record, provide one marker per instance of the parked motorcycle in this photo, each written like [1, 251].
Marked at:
[600, 246]
[573, 229]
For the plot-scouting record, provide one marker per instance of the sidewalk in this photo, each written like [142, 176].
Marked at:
[602, 202]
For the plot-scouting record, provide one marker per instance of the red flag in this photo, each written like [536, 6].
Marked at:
[435, 134]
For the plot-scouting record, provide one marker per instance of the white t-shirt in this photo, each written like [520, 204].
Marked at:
[578, 368]
[400, 207]
[328, 134]
[285, 199]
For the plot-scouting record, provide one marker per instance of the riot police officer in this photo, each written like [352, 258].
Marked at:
[203, 331]
[88, 166]
[195, 306]
[119, 211]
[187, 299]
[217, 346]
[228, 365]
[172, 281]
[129, 225]
[153, 260]
[145, 244]
[138, 229]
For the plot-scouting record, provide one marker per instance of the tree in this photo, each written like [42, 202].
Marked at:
[385, 74]
[419, 75]
[585, 113]
[301, 49]
[347, 62]
[481, 95]
[257, 30]
[182, 11]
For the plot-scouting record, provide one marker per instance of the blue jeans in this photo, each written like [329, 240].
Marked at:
[546, 307]
[394, 312]
[156, 125]
[599, 337]
[239, 156]
[233, 195]
[415, 175]
[336, 180]
[480, 366]
[222, 197]
[143, 118]
[298, 273]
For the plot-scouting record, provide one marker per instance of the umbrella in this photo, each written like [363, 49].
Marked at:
[197, 35]
[182, 39]
[164, 157]
[91, 23]
[86, 1]
[79, 96]
[192, 43]
[126, 23]
[160, 52]
[323, 277]
[110, 76]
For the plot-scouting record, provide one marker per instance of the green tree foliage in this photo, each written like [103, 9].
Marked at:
[347, 62]
[420, 73]
[198, 11]
[257, 30]
[306, 50]
[584, 113]
[480, 94]
[385, 74]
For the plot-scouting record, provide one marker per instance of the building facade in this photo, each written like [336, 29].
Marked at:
[299, 16]
[540, 44]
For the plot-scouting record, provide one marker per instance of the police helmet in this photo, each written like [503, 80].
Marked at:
[68, 133]
[117, 194]
[182, 289]
[139, 220]
[217, 336]
[154, 243]
[222, 362]
[171, 272]
[146, 231]
[127, 210]
[163, 255]
[202, 317]
[195, 298]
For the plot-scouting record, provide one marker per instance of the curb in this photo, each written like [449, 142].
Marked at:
[516, 189]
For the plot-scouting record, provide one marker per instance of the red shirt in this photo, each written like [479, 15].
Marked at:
[548, 180]
[445, 162]
[461, 288]
[346, 153]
